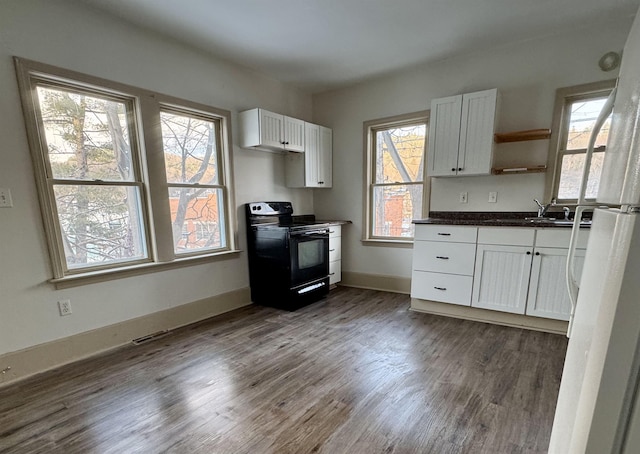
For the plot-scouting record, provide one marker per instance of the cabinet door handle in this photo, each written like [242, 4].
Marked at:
[453, 169]
[528, 252]
[331, 250]
[441, 257]
[440, 288]
[537, 253]
[332, 274]
[459, 169]
[332, 231]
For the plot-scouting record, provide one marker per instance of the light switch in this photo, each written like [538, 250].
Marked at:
[463, 197]
[493, 197]
[5, 198]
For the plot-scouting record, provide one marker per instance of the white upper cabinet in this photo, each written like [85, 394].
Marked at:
[262, 129]
[461, 132]
[312, 169]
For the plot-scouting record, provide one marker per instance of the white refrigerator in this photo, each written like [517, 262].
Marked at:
[598, 409]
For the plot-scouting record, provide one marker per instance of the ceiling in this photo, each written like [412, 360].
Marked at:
[319, 45]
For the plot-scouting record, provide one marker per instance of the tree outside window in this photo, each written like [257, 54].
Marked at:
[397, 153]
[98, 184]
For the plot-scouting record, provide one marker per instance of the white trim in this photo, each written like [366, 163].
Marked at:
[43, 357]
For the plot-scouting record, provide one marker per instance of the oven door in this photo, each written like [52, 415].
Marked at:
[309, 255]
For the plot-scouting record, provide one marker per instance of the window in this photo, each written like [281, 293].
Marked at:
[395, 155]
[576, 111]
[99, 186]
[190, 145]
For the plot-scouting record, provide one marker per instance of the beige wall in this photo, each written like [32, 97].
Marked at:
[526, 74]
[70, 35]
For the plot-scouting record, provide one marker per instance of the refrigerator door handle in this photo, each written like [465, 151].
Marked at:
[572, 282]
[607, 108]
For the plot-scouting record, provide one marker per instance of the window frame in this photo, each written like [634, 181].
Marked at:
[369, 141]
[560, 125]
[220, 166]
[148, 168]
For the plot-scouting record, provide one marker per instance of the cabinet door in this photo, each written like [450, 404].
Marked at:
[477, 126]
[501, 278]
[325, 157]
[271, 128]
[293, 134]
[444, 136]
[548, 295]
[311, 156]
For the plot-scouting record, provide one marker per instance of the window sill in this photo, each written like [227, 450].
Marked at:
[76, 280]
[408, 243]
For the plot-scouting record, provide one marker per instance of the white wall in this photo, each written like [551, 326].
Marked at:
[526, 74]
[68, 34]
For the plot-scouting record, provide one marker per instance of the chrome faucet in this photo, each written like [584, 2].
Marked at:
[542, 209]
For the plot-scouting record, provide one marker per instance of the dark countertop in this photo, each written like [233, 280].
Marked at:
[499, 219]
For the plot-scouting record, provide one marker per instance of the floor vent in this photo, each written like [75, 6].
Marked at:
[151, 337]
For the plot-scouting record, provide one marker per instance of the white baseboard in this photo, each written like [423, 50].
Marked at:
[39, 358]
[394, 284]
[487, 316]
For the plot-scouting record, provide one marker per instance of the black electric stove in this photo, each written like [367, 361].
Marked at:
[288, 256]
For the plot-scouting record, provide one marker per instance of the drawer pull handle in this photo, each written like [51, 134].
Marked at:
[441, 257]
[440, 288]
[444, 234]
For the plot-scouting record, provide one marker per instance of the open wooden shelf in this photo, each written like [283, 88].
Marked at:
[519, 136]
[512, 170]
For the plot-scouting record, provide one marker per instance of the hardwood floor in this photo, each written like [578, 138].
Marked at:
[355, 373]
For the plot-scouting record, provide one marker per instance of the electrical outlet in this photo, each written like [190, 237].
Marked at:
[5, 198]
[65, 307]
[463, 197]
[493, 197]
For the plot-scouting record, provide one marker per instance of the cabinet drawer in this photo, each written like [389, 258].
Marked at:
[335, 272]
[445, 288]
[335, 231]
[560, 238]
[444, 257]
[507, 236]
[453, 233]
[335, 248]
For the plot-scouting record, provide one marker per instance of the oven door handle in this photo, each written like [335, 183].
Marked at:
[312, 232]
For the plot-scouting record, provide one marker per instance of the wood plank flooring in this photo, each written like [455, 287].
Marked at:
[354, 373]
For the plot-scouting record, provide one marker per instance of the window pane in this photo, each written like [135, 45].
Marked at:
[581, 121]
[190, 153]
[400, 154]
[394, 207]
[87, 136]
[571, 174]
[197, 217]
[100, 224]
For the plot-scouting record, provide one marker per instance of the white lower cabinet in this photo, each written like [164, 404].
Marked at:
[335, 254]
[515, 270]
[443, 258]
[501, 279]
[548, 296]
